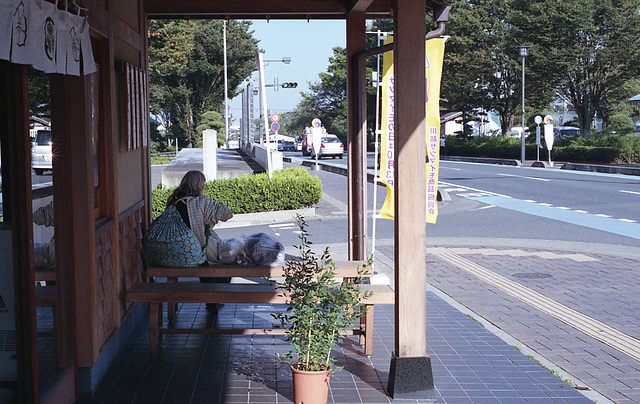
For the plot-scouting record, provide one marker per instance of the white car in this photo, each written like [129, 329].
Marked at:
[331, 147]
[41, 154]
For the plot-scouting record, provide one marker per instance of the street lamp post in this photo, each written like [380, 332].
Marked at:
[524, 52]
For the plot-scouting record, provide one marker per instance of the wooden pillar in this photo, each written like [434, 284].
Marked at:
[16, 178]
[356, 142]
[74, 210]
[410, 373]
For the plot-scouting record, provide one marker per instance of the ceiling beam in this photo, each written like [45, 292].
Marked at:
[266, 9]
[359, 5]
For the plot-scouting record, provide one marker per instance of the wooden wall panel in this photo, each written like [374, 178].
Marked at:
[106, 282]
[130, 246]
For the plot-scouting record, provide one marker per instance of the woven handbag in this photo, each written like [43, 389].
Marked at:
[170, 242]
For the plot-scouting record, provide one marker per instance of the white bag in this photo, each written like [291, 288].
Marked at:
[231, 251]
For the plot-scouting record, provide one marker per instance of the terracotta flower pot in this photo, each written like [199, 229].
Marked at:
[310, 387]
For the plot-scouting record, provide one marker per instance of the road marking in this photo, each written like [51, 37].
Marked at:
[602, 215]
[522, 176]
[549, 255]
[579, 218]
[585, 324]
[629, 192]
[335, 202]
[483, 208]
[628, 220]
[283, 225]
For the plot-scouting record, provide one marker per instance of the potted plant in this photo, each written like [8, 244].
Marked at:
[319, 311]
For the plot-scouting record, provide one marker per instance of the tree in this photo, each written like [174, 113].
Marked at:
[587, 49]
[482, 69]
[212, 120]
[186, 69]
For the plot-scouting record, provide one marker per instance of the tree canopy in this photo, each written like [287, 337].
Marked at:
[186, 69]
[587, 49]
[584, 52]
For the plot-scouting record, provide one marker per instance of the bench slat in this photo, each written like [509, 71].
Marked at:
[343, 269]
[192, 292]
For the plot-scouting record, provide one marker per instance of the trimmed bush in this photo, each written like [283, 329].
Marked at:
[599, 149]
[291, 188]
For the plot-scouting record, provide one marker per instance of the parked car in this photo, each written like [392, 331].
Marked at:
[331, 146]
[41, 154]
[563, 132]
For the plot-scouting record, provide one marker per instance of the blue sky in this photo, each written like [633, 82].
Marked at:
[309, 44]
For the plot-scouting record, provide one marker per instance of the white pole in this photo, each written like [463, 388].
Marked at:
[260, 62]
[375, 158]
[226, 98]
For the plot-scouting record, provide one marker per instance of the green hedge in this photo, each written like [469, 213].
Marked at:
[291, 188]
[599, 149]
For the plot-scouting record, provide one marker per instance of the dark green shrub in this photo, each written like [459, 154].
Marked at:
[291, 188]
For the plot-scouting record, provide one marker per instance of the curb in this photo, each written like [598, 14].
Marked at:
[262, 218]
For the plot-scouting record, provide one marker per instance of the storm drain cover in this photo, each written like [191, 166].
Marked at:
[532, 275]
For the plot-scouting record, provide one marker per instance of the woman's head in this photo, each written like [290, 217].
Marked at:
[192, 184]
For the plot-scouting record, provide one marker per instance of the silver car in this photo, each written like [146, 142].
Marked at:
[41, 156]
[331, 147]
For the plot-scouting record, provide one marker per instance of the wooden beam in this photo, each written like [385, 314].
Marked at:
[360, 5]
[410, 178]
[74, 212]
[356, 142]
[16, 175]
[267, 9]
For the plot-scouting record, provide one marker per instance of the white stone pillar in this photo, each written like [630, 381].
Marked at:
[210, 154]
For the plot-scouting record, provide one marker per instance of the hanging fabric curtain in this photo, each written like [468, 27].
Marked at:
[38, 33]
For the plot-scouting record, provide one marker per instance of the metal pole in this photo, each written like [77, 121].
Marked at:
[265, 118]
[226, 98]
[522, 133]
[375, 156]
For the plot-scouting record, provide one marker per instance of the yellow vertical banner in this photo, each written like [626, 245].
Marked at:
[433, 69]
[387, 158]
[433, 66]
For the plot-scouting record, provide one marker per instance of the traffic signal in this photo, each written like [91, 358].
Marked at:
[289, 85]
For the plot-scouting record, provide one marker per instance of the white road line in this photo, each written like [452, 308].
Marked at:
[484, 207]
[629, 192]
[580, 211]
[601, 215]
[602, 332]
[283, 225]
[628, 220]
[522, 176]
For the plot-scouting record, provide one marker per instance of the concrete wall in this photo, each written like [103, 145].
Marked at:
[260, 156]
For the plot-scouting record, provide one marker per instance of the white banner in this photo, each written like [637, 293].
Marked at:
[37, 33]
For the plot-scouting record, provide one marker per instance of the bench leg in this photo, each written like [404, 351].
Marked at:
[172, 307]
[367, 319]
[155, 322]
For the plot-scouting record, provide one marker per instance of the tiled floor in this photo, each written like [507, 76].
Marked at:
[469, 364]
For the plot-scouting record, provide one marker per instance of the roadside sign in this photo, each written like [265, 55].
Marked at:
[538, 119]
[275, 117]
[276, 87]
[548, 120]
[275, 126]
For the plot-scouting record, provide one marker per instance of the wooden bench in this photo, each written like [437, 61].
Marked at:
[173, 292]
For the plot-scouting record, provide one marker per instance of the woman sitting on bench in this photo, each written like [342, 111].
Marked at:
[198, 210]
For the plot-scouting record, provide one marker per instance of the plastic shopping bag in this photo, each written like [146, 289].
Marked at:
[264, 249]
